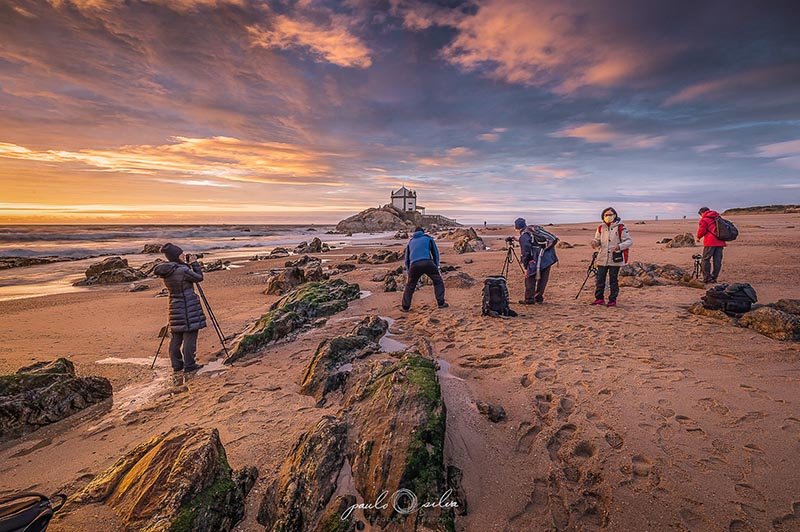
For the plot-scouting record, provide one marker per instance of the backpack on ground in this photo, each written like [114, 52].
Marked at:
[736, 298]
[725, 229]
[495, 297]
[28, 512]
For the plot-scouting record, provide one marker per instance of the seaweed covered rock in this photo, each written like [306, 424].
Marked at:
[772, 322]
[639, 274]
[388, 436]
[382, 256]
[699, 310]
[294, 310]
[177, 481]
[790, 306]
[685, 240]
[44, 393]
[333, 358]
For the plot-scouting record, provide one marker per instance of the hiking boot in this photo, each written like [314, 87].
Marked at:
[192, 369]
[405, 309]
[177, 370]
[444, 305]
[599, 302]
[539, 300]
[523, 302]
[612, 303]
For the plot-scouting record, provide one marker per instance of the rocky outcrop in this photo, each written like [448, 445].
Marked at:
[294, 310]
[302, 261]
[790, 306]
[315, 246]
[332, 361]
[699, 310]
[639, 274]
[387, 436]
[764, 209]
[459, 280]
[148, 267]
[466, 240]
[7, 263]
[177, 481]
[285, 280]
[401, 235]
[150, 249]
[44, 393]
[216, 265]
[112, 270]
[773, 323]
[385, 218]
[685, 240]
[382, 256]
[345, 267]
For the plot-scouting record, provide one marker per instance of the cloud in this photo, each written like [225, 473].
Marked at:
[602, 133]
[549, 173]
[493, 136]
[750, 81]
[452, 157]
[334, 44]
[220, 158]
[785, 153]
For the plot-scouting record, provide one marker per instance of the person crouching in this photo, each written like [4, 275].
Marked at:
[186, 316]
[537, 254]
[612, 241]
[422, 258]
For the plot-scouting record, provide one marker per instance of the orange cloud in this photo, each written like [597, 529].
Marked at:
[739, 82]
[334, 44]
[601, 133]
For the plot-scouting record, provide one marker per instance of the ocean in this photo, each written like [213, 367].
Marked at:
[87, 242]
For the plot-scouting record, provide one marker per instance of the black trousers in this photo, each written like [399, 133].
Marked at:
[189, 342]
[600, 287]
[534, 288]
[417, 270]
[712, 253]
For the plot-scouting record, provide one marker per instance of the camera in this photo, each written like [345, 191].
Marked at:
[510, 240]
[697, 256]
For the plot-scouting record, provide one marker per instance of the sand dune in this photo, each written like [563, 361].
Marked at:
[643, 417]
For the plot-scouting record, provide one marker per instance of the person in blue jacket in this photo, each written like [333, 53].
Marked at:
[422, 258]
[538, 254]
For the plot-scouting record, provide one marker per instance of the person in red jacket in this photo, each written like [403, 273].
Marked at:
[712, 246]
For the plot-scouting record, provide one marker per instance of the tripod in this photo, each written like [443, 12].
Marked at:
[214, 320]
[698, 266]
[591, 270]
[511, 256]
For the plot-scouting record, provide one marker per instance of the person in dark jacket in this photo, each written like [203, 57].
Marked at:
[422, 258]
[537, 254]
[186, 316]
[712, 246]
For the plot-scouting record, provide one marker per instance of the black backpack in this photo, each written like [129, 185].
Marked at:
[736, 298]
[495, 297]
[726, 231]
[28, 512]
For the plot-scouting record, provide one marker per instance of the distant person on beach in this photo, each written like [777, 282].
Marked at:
[712, 246]
[612, 241]
[186, 316]
[422, 258]
[537, 254]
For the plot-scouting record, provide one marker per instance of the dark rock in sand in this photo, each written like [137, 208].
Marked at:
[111, 263]
[382, 256]
[468, 261]
[699, 310]
[294, 310]
[313, 272]
[138, 287]
[284, 281]
[151, 249]
[315, 246]
[325, 372]
[390, 284]
[495, 413]
[639, 274]
[44, 393]
[564, 245]
[401, 235]
[773, 323]
[664, 241]
[148, 267]
[345, 267]
[123, 275]
[177, 481]
[7, 263]
[459, 280]
[790, 306]
[686, 240]
[216, 265]
[302, 261]
[279, 252]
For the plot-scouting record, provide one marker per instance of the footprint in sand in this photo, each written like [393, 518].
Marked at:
[546, 374]
[712, 405]
[689, 424]
[790, 521]
[526, 435]
[737, 525]
[584, 449]
[565, 407]
[559, 438]
[791, 424]
[614, 439]
[541, 403]
[525, 380]
[641, 466]
[692, 519]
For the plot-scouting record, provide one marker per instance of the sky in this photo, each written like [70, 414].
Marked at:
[240, 111]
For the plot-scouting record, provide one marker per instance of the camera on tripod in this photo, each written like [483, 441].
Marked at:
[510, 241]
[697, 256]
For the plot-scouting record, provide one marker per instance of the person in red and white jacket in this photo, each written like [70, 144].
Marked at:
[612, 242]
[712, 246]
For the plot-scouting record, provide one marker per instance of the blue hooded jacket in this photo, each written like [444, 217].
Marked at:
[421, 247]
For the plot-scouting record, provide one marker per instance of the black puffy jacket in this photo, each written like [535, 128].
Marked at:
[185, 312]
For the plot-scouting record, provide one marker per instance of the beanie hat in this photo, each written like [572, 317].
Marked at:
[520, 223]
[171, 251]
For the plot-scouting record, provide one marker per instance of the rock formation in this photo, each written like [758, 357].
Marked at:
[387, 436]
[294, 310]
[685, 240]
[112, 270]
[177, 481]
[459, 280]
[772, 322]
[466, 240]
[333, 358]
[150, 249]
[44, 393]
[382, 256]
[639, 274]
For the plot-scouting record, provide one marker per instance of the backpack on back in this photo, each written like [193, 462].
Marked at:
[725, 230]
[28, 511]
[495, 297]
[736, 298]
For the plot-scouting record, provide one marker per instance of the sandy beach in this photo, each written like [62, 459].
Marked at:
[662, 419]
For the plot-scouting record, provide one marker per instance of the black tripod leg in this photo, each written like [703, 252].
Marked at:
[158, 351]
[214, 321]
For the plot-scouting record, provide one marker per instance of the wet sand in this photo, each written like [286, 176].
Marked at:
[642, 417]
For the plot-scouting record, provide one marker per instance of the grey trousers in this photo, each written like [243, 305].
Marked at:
[534, 288]
[189, 342]
[712, 253]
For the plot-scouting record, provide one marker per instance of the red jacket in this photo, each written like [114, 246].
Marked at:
[707, 228]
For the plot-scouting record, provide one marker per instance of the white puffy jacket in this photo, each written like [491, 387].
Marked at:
[606, 238]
